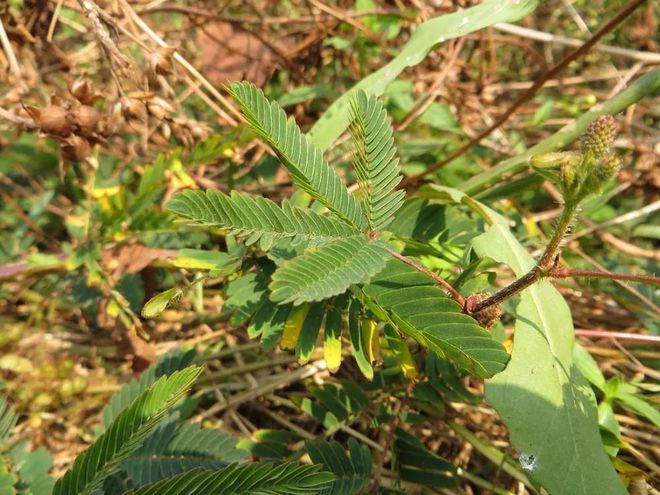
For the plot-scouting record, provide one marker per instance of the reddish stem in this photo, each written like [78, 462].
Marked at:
[441, 281]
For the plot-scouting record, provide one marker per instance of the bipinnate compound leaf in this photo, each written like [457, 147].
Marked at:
[375, 161]
[254, 216]
[259, 478]
[8, 419]
[352, 473]
[412, 303]
[166, 365]
[126, 433]
[306, 164]
[328, 270]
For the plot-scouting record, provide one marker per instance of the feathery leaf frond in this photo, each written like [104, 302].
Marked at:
[418, 308]
[327, 271]
[8, 419]
[256, 216]
[261, 478]
[353, 473]
[375, 162]
[126, 433]
[308, 168]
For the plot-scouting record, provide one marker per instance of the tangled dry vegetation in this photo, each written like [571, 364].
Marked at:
[93, 94]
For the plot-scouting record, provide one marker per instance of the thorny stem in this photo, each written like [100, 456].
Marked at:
[441, 281]
[543, 268]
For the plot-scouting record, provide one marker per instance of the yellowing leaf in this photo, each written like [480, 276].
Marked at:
[371, 341]
[406, 362]
[157, 304]
[293, 326]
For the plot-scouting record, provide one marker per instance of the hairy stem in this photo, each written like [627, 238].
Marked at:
[543, 268]
[441, 281]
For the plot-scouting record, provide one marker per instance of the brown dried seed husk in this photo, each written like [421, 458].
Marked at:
[160, 61]
[75, 148]
[159, 108]
[86, 118]
[55, 120]
[82, 90]
[132, 108]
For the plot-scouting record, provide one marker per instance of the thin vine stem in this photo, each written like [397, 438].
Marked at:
[570, 273]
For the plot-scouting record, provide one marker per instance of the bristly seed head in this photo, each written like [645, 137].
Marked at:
[488, 316]
[599, 136]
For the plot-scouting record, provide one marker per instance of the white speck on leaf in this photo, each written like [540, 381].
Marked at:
[528, 462]
[464, 21]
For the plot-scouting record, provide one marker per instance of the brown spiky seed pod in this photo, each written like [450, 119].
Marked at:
[54, 120]
[132, 108]
[599, 136]
[488, 316]
[86, 118]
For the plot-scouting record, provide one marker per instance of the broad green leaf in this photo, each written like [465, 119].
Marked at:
[352, 473]
[542, 397]
[308, 168]
[309, 332]
[126, 433]
[640, 406]
[428, 34]
[254, 216]
[412, 303]
[355, 331]
[7, 480]
[327, 271]
[376, 164]
[244, 479]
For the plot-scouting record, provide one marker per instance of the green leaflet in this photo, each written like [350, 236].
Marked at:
[542, 397]
[352, 473]
[126, 433]
[166, 365]
[308, 168]
[255, 216]
[327, 271]
[428, 34]
[375, 162]
[412, 303]
[244, 479]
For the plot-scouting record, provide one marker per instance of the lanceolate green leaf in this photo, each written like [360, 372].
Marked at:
[308, 168]
[126, 433]
[542, 397]
[418, 308]
[376, 164]
[255, 216]
[428, 34]
[327, 271]
[245, 479]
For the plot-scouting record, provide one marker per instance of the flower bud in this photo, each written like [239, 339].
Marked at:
[599, 136]
[607, 168]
